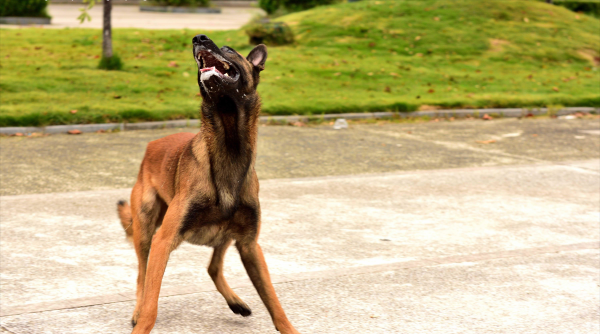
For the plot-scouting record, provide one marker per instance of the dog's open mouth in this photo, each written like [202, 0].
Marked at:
[212, 64]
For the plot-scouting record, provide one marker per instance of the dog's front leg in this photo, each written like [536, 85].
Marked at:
[165, 240]
[254, 262]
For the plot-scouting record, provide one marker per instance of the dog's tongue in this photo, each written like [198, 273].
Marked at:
[206, 69]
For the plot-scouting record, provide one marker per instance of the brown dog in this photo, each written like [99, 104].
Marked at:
[203, 188]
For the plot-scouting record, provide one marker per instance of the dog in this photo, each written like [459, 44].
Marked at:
[202, 188]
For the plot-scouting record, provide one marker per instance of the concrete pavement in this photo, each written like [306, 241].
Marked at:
[453, 237]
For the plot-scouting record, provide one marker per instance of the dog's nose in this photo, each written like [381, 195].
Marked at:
[200, 38]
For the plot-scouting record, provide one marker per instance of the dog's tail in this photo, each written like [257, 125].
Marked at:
[124, 211]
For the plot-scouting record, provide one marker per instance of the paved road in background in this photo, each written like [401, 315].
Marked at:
[448, 227]
[64, 16]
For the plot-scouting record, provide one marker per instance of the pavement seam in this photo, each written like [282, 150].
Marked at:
[492, 152]
[565, 164]
[455, 145]
[288, 278]
[6, 330]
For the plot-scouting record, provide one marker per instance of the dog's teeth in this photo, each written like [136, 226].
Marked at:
[226, 74]
[226, 66]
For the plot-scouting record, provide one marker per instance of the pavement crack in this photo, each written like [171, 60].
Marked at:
[288, 278]
[454, 145]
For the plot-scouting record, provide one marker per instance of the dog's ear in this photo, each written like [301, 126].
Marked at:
[258, 56]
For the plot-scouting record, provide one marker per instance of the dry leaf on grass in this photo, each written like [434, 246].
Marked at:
[486, 141]
[74, 132]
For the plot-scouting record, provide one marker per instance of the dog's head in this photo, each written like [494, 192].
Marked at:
[225, 72]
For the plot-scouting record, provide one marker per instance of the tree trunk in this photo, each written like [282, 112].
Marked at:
[107, 51]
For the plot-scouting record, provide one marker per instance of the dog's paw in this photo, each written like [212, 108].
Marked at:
[241, 309]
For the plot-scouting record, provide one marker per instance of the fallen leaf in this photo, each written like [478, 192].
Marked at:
[173, 64]
[101, 131]
[74, 111]
[394, 74]
[486, 141]
[534, 135]
[198, 94]
[18, 134]
[116, 97]
[526, 20]
[436, 18]
[555, 89]
[487, 117]
[74, 132]
[419, 55]
[370, 73]
[387, 89]
[186, 74]
[337, 74]
[431, 91]
[96, 56]
[529, 115]
[298, 124]
[372, 44]
[417, 38]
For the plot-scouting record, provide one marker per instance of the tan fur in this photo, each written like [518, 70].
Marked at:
[202, 188]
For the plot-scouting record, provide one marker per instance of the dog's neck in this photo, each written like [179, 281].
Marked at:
[229, 129]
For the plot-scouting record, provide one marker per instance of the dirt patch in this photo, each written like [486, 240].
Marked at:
[591, 55]
[497, 45]
[426, 107]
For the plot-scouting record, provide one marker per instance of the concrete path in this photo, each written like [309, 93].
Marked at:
[512, 247]
[64, 16]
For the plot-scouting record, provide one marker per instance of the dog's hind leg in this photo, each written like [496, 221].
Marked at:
[147, 213]
[215, 270]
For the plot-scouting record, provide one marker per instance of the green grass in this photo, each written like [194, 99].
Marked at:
[364, 56]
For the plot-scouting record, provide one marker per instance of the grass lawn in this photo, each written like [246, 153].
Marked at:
[352, 57]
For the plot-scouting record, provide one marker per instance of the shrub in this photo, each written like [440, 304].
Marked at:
[201, 3]
[588, 7]
[271, 6]
[33, 8]
[112, 63]
[297, 5]
[269, 33]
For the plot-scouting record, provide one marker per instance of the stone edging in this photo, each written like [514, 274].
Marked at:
[24, 20]
[458, 113]
[174, 9]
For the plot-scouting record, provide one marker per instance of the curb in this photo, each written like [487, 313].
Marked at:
[174, 9]
[458, 113]
[24, 20]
